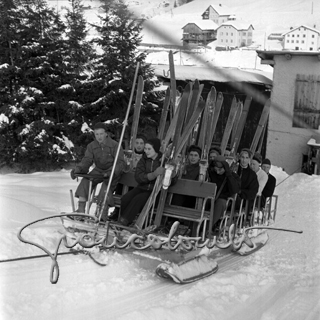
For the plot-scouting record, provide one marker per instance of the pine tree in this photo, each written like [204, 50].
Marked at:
[119, 38]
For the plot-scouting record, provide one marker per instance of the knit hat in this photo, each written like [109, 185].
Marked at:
[246, 150]
[100, 125]
[156, 144]
[216, 148]
[266, 161]
[141, 136]
[257, 156]
[196, 149]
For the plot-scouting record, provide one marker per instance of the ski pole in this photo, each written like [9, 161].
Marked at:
[125, 123]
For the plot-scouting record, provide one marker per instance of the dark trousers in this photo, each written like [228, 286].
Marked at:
[83, 187]
[133, 202]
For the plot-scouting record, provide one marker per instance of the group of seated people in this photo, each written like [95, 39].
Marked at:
[246, 177]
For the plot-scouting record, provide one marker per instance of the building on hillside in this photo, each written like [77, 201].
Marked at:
[295, 106]
[200, 32]
[234, 34]
[218, 14]
[302, 38]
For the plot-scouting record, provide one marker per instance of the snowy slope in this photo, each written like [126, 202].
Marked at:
[281, 281]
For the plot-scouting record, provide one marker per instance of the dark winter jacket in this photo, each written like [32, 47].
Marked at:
[268, 189]
[231, 187]
[270, 186]
[249, 183]
[146, 165]
[103, 157]
[191, 172]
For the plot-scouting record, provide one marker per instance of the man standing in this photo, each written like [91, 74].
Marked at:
[101, 152]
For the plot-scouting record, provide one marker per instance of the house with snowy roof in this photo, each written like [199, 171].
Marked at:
[218, 14]
[302, 38]
[234, 34]
[199, 32]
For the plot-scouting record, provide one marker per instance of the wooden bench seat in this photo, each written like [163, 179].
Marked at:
[203, 191]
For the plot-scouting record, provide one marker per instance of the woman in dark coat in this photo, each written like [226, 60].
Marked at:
[146, 173]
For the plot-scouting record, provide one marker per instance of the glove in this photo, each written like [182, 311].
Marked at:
[74, 172]
[153, 175]
[159, 171]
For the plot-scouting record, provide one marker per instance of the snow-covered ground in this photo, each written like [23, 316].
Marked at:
[281, 281]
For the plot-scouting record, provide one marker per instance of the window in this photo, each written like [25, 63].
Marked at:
[302, 41]
[304, 35]
[297, 41]
[221, 33]
[293, 36]
[292, 41]
[221, 40]
[243, 33]
[298, 35]
[226, 33]
[306, 112]
[288, 41]
[227, 40]
[312, 42]
[313, 36]
[231, 40]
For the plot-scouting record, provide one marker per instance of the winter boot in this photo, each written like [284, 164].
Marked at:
[81, 207]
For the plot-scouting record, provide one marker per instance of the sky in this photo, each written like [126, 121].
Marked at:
[280, 281]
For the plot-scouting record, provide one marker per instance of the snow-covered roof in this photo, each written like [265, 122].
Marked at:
[214, 74]
[238, 25]
[302, 26]
[203, 24]
[221, 10]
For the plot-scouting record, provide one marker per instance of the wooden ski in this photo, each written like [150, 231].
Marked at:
[173, 85]
[241, 124]
[215, 117]
[235, 126]
[136, 114]
[164, 114]
[261, 125]
[229, 125]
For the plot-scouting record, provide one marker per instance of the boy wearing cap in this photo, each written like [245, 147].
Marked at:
[228, 183]
[101, 152]
[268, 190]
[146, 173]
[261, 175]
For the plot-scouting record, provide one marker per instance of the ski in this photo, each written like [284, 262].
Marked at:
[229, 125]
[235, 126]
[241, 124]
[164, 114]
[136, 114]
[173, 85]
[262, 122]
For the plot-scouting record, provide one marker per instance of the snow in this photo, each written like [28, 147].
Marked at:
[280, 281]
